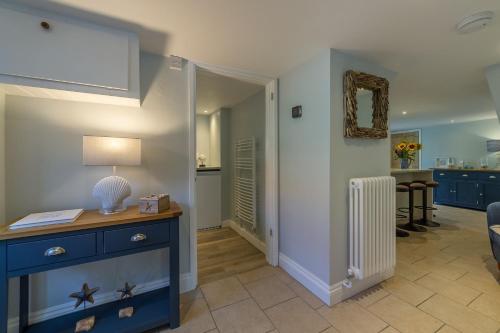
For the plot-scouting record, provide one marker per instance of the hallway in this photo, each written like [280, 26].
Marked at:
[223, 253]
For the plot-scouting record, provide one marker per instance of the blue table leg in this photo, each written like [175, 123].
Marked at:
[4, 288]
[174, 274]
[24, 300]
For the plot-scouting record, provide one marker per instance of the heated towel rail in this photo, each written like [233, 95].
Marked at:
[245, 191]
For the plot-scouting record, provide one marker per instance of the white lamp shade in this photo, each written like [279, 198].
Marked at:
[99, 150]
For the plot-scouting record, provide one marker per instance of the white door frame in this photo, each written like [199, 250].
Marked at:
[271, 144]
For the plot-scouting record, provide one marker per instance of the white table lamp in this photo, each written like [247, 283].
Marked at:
[110, 151]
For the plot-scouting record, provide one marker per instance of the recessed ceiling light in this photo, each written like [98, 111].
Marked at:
[205, 111]
[475, 22]
[404, 112]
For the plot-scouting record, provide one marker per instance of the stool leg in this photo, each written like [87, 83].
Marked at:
[424, 220]
[410, 226]
[402, 233]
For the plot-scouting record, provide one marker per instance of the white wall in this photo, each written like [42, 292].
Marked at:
[203, 137]
[351, 158]
[214, 145]
[2, 158]
[45, 171]
[208, 138]
[304, 168]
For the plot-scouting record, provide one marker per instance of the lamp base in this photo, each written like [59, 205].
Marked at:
[112, 211]
[111, 191]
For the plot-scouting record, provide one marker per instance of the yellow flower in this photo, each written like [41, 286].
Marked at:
[401, 145]
[412, 146]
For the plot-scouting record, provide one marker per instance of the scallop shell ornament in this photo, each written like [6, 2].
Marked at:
[112, 191]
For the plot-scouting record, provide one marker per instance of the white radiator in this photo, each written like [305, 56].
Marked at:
[245, 189]
[372, 226]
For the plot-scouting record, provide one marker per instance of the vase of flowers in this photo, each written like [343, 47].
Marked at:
[406, 152]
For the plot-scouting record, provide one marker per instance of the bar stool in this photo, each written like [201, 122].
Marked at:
[401, 189]
[425, 221]
[411, 226]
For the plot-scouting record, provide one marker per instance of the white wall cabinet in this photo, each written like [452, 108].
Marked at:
[68, 55]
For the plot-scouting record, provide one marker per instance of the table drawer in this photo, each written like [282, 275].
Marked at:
[136, 237]
[50, 251]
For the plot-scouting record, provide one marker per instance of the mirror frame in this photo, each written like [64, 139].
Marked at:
[379, 87]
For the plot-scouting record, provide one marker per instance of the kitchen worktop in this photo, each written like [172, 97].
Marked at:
[207, 169]
[400, 171]
[470, 170]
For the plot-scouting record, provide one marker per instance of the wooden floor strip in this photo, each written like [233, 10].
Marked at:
[223, 253]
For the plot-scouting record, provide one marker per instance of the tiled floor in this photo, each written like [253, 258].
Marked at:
[446, 281]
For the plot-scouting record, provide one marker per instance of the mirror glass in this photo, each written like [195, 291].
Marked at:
[365, 107]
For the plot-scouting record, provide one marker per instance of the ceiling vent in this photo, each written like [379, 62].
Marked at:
[475, 22]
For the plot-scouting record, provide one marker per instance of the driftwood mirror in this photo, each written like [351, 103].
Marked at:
[366, 104]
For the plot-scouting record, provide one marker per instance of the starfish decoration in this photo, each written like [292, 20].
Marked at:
[85, 295]
[126, 291]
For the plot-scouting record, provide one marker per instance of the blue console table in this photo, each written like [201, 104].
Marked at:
[91, 238]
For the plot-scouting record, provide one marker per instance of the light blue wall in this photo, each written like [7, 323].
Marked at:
[2, 158]
[351, 158]
[45, 171]
[493, 77]
[304, 168]
[463, 141]
[248, 119]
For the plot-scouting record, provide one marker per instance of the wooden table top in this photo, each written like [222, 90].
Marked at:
[92, 219]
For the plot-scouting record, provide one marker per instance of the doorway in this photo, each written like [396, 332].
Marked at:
[214, 162]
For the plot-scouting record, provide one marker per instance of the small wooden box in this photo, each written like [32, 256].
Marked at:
[154, 204]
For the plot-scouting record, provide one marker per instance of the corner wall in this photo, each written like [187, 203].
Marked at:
[2, 158]
[493, 77]
[350, 158]
[304, 167]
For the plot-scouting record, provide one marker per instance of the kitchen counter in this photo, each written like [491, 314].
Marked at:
[207, 169]
[475, 170]
[404, 171]
[411, 175]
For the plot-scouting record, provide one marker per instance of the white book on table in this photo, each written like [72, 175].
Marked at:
[47, 218]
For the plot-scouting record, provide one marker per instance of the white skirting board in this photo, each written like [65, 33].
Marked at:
[329, 294]
[245, 234]
[186, 284]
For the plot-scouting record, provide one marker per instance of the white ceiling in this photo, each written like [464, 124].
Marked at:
[440, 72]
[215, 91]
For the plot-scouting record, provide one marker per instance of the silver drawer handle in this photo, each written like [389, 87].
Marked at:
[55, 251]
[138, 238]
[493, 177]
[441, 174]
[465, 175]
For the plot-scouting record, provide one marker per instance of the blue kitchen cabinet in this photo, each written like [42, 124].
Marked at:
[491, 193]
[467, 188]
[445, 193]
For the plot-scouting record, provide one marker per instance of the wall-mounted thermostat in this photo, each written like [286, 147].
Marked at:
[297, 111]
